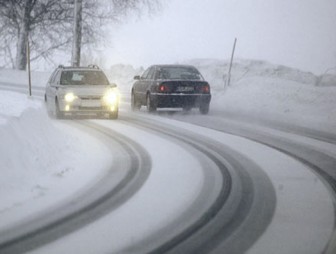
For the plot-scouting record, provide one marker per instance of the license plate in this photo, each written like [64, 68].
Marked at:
[185, 89]
[91, 103]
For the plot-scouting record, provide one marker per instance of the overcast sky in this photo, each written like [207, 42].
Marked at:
[297, 33]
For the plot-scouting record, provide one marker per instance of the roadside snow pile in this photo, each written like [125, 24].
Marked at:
[261, 90]
[40, 160]
[9, 108]
[327, 80]
[215, 71]
[38, 78]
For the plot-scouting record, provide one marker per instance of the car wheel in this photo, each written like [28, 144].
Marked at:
[134, 104]
[49, 109]
[204, 108]
[57, 113]
[187, 108]
[150, 105]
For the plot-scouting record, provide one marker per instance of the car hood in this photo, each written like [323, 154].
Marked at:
[92, 90]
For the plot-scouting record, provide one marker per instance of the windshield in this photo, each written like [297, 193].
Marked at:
[179, 72]
[83, 78]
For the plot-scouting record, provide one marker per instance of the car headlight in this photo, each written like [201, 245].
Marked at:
[111, 97]
[69, 97]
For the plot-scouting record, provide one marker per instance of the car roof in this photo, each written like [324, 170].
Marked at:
[173, 65]
[81, 68]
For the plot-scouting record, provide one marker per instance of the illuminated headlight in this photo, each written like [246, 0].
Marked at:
[111, 97]
[69, 97]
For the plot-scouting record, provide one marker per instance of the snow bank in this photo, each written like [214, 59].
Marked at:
[38, 78]
[216, 71]
[41, 160]
[326, 80]
[262, 90]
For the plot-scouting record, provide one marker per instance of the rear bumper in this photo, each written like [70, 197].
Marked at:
[180, 100]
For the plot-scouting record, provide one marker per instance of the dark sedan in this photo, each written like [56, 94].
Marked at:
[171, 86]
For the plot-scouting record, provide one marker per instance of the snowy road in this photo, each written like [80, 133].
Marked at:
[227, 186]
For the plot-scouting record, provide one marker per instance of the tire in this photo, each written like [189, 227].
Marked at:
[57, 113]
[204, 108]
[134, 104]
[150, 104]
[187, 109]
[48, 109]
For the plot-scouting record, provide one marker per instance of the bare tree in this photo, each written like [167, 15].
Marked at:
[41, 21]
[107, 11]
[49, 25]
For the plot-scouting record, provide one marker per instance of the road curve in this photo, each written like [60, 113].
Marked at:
[244, 208]
[314, 149]
[245, 193]
[105, 196]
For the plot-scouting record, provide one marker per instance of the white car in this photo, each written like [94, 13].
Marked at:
[74, 91]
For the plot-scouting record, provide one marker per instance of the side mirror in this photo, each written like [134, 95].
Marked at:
[137, 77]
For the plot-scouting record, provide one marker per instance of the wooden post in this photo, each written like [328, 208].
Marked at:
[28, 67]
[233, 50]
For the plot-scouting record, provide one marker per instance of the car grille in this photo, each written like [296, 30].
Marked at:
[89, 97]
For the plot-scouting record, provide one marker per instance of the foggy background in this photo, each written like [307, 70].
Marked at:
[295, 33]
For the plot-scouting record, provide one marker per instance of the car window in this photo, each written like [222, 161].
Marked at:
[73, 77]
[57, 76]
[52, 77]
[151, 73]
[178, 72]
[145, 74]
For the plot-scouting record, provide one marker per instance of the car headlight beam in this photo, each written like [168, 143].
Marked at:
[111, 97]
[69, 97]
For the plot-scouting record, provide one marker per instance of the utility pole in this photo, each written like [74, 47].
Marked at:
[233, 50]
[28, 67]
[77, 34]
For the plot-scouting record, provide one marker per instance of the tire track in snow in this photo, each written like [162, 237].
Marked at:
[317, 160]
[104, 197]
[233, 216]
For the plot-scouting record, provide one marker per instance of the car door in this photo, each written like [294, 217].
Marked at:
[150, 80]
[139, 87]
[54, 84]
[49, 89]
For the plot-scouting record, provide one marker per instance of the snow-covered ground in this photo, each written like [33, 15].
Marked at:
[41, 159]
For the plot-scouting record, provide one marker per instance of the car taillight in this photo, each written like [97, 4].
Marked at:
[163, 88]
[205, 89]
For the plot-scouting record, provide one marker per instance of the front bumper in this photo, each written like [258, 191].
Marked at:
[87, 106]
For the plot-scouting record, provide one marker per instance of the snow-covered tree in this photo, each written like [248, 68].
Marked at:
[46, 23]
[105, 12]
[49, 25]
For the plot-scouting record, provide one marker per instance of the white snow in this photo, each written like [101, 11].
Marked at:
[172, 186]
[304, 214]
[42, 160]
